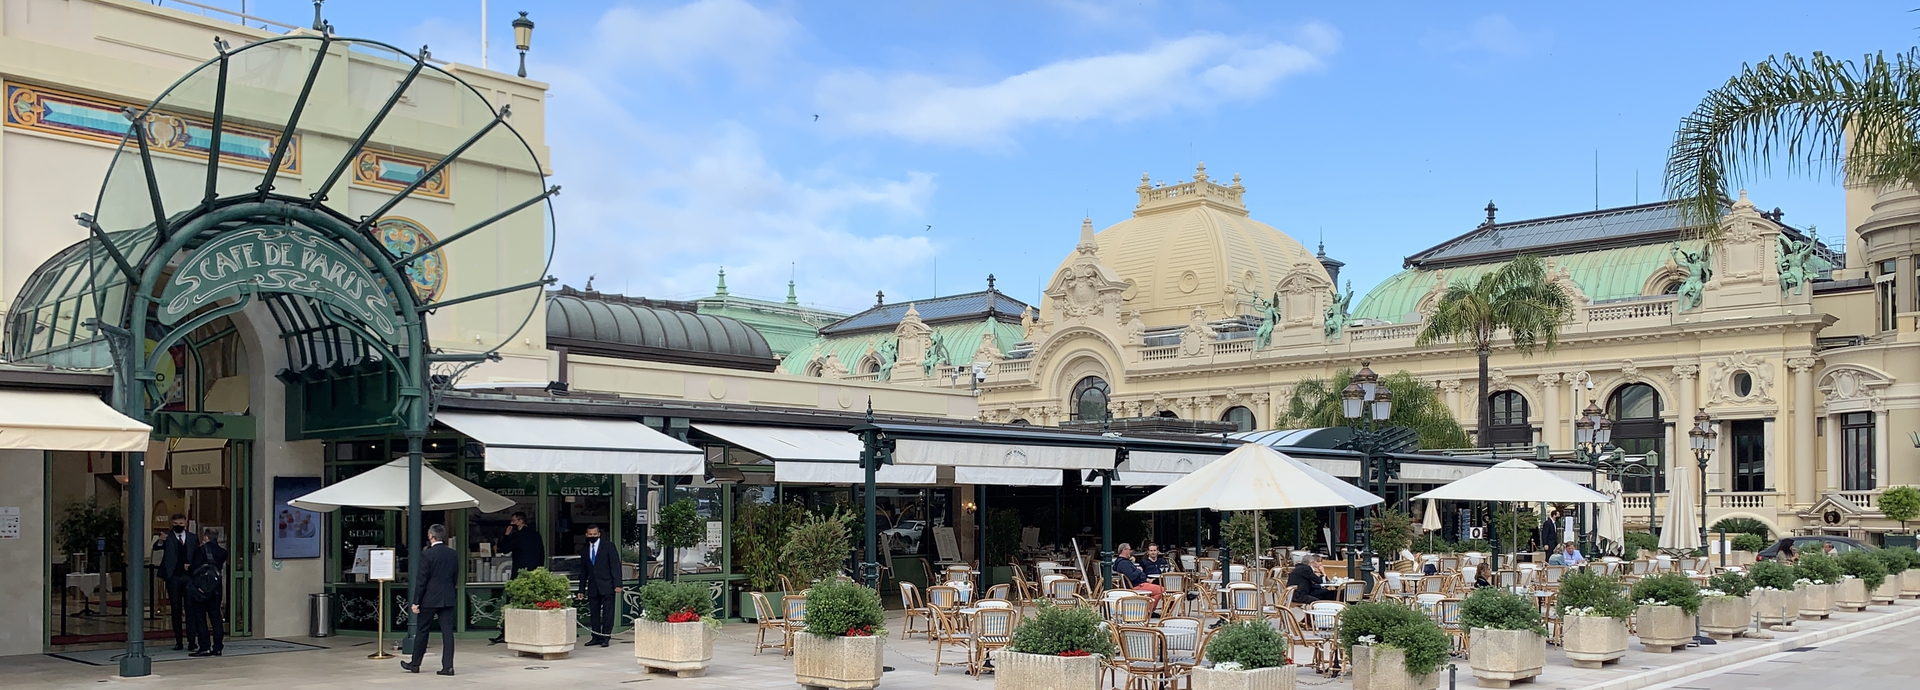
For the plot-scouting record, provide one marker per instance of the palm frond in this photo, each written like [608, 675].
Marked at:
[1315, 403]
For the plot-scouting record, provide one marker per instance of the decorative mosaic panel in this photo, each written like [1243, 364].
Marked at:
[63, 113]
[403, 236]
[396, 171]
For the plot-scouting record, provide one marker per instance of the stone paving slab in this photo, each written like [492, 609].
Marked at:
[342, 665]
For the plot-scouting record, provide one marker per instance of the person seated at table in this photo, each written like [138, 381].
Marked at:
[1136, 578]
[1308, 581]
[1568, 555]
[1430, 565]
[1152, 563]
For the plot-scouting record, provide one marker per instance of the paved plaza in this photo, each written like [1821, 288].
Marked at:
[1880, 644]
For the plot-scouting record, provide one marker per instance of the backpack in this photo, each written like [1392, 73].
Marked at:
[204, 584]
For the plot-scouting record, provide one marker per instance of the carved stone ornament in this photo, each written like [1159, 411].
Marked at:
[1261, 398]
[989, 350]
[1136, 328]
[1232, 397]
[1747, 251]
[1087, 288]
[1629, 372]
[1430, 302]
[1302, 291]
[1722, 389]
[1547, 381]
[1847, 384]
[1450, 385]
[832, 367]
[1801, 365]
[1497, 380]
[1198, 336]
[1686, 372]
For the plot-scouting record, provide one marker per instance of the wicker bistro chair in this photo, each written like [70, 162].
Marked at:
[949, 632]
[1023, 588]
[992, 631]
[1000, 591]
[1064, 592]
[1206, 564]
[766, 619]
[1321, 623]
[1446, 613]
[1353, 591]
[1132, 610]
[916, 609]
[1434, 584]
[793, 613]
[943, 598]
[1449, 564]
[1176, 597]
[1144, 658]
[1246, 602]
[1507, 579]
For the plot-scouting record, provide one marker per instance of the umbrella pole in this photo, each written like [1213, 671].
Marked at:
[416, 439]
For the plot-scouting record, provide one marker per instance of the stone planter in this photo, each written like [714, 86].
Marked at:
[1850, 594]
[1776, 606]
[1740, 559]
[1816, 601]
[849, 663]
[1501, 657]
[1663, 629]
[1724, 618]
[1016, 671]
[545, 634]
[1888, 591]
[1385, 668]
[1276, 678]
[680, 648]
[1591, 641]
[1910, 584]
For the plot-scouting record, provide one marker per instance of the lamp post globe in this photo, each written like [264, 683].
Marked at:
[523, 39]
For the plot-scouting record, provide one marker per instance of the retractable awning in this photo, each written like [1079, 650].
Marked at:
[1171, 463]
[1007, 476]
[58, 420]
[1007, 455]
[531, 443]
[1127, 476]
[814, 456]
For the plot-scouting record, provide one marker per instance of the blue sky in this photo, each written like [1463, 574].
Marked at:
[685, 136]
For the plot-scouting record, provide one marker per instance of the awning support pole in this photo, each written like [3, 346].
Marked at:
[980, 526]
[873, 454]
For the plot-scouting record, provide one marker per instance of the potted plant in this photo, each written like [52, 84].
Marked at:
[1003, 542]
[759, 532]
[1895, 563]
[1393, 647]
[1593, 618]
[84, 524]
[537, 622]
[1910, 578]
[1664, 621]
[1745, 549]
[816, 548]
[1816, 574]
[679, 527]
[1248, 655]
[1508, 640]
[1773, 596]
[1860, 574]
[674, 632]
[1725, 611]
[1900, 503]
[1060, 647]
[843, 645]
[1392, 532]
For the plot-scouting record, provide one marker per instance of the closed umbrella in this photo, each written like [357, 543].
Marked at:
[1431, 522]
[1610, 519]
[1681, 528]
[385, 488]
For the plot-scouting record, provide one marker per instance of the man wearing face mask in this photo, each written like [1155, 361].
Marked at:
[599, 584]
[176, 554]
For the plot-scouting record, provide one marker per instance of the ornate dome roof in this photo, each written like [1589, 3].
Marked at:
[1191, 244]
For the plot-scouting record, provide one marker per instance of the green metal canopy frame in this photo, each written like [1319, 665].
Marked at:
[343, 290]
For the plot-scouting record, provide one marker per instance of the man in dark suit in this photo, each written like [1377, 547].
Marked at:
[523, 542]
[176, 555]
[599, 584]
[1309, 581]
[203, 612]
[439, 569]
[1550, 529]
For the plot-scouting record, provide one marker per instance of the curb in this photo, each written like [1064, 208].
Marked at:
[1771, 647]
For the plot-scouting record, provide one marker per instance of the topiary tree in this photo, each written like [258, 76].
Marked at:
[1900, 503]
[759, 532]
[1237, 533]
[1392, 532]
[816, 548]
[1003, 537]
[1594, 594]
[679, 527]
[1752, 543]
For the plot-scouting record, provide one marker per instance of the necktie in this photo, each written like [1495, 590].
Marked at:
[593, 554]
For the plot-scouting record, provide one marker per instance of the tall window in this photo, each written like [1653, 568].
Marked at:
[1887, 287]
[1241, 417]
[1749, 455]
[1090, 400]
[1856, 451]
[1510, 428]
[1637, 429]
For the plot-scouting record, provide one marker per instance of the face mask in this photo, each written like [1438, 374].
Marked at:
[178, 529]
[593, 540]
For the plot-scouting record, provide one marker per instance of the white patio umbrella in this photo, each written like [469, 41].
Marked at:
[1610, 519]
[1431, 522]
[1515, 481]
[1681, 527]
[1255, 477]
[385, 488]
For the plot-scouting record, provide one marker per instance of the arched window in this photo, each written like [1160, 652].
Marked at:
[870, 365]
[1637, 429]
[1167, 414]
[1241, 417]
[1090, 400]
[816, 368]
[1510, 428]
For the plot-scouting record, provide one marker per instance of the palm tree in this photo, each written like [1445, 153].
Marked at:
[1821, 114]
[1516, 298]
[1416, 405]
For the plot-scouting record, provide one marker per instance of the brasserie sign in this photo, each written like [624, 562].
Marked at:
[278, 258]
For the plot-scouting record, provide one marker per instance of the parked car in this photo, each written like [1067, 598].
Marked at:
[1817, 543]
[907, 534]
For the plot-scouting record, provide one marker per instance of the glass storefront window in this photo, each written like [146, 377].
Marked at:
[708, 557]
[485, 564]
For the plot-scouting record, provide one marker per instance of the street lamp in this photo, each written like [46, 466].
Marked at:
[522, 39]
[1593, 436]
[1702, 438]
[1367, 405]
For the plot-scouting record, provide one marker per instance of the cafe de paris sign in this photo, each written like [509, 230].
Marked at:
[284, 259]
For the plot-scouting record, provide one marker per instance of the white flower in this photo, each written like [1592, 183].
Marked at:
[1368, 640]
[1228, 666]
[1579, 611]
[1712, 593]
[1762, 588]
[1847, 577]
[1804, 581]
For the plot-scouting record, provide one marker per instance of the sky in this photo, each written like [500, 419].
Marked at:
[916, 146]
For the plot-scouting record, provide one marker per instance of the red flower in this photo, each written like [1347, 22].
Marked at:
[548, 605]
[1076, 652]
[860, 631]
[687, 616]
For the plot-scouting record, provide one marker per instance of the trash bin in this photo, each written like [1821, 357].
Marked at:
[320, 615]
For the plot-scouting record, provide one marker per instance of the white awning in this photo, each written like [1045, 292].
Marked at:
[57, 420]
[1009, 455]
[1176, 463]
[788, 443]
[1133, 477]
[529, 443]
[846, 473]
[1006, 476]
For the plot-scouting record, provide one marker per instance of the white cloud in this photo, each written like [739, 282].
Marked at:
[1193, 72]
[1493, 34]
[744, 38]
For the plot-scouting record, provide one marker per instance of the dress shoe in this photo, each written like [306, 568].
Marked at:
[497, 640]
[200, 654]
[177, 646]
[444, 672]
[410, 668]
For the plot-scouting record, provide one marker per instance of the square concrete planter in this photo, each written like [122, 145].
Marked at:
[1385, 668]
[1501, 657]
[1276, 678]
[1816, 601]
[1776, 606]
[1850, 594]
[1017, 671]
[849, 663]
[1910, 584]
[1663, 629]
[679, 648]
[1724, 618]
[545, 634]
[1591, 641]
[1887, 592]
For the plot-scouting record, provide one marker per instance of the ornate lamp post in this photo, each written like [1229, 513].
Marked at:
[1367, 405]
[1593, 436]
[522, 39]
[1702, 438]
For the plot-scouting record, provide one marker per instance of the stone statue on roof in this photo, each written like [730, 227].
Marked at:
[1699, 268]
[1798, 263]
[1337, 316]
[887, 352]
[936, 355]
[1269, 317]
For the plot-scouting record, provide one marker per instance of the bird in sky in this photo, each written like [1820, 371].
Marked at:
[816, 117]
[929, 228]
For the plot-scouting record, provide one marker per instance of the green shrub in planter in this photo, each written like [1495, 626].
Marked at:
[1394, 625]
[1750, 543]
[1773, 575]
[835, 607]
[1640, 541]
[1597, 595]
[1891, 559]
[1668, 590]
[816, 548]
[1818, 567]
[661, 599]
[1056, 630]
[530, 588]
[1497, 609]
[1251, 644]
[1863, 565]
[1913, 557]
[1730, 584]
[1900, 503]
